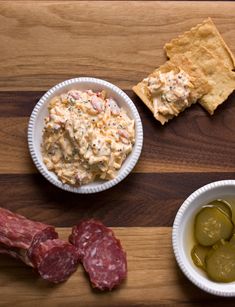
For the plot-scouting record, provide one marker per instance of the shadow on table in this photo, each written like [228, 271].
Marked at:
[15, 273]
[196, 297]
[64, 208]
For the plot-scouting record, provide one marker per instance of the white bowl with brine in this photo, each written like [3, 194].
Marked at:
[183, 234]
[40, 112]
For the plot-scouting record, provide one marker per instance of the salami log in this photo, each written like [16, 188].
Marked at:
[101, 254]
[36, 244]
[55, 260]
[19, 235]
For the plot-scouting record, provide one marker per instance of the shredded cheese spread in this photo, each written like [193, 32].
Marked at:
[170, 91]
[87, 136]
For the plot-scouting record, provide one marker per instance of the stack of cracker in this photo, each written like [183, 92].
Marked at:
[205, 57]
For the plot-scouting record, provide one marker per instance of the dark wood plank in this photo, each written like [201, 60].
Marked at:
[193, 142]
[18, 104]
[140, 200]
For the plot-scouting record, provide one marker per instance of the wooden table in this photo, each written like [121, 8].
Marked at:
[45, 42]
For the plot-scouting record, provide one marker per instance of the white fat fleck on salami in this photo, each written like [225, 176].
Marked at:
[112, 267]
[93, 252]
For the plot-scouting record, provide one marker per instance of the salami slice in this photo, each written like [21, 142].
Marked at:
[87, 232]
[55, 260]
[19, 235]
[106, 264]
[100, 253]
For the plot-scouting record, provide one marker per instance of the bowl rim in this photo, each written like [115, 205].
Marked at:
[177, 248]
[134, 155]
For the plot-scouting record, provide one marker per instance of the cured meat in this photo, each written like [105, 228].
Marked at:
[100, 253]
[37, 245]
[55, 260]
[87, 232]
[106, 264]
[19, 235]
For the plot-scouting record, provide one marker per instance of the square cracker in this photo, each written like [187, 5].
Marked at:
[205, 35]
[219, 76]
[200, 84]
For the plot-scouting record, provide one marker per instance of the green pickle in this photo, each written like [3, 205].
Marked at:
[232, 240]
[220, 263]
[211, 225]
[199, 254]
[218, 244]
[215, 236]
[223, 206]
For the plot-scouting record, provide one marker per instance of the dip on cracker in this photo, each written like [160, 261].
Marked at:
[200, 69]
[172, 87]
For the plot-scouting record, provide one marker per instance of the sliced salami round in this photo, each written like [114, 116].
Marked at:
[105, 262]
[87, 232]
[100, 253]
[55, 260]
[48, 233]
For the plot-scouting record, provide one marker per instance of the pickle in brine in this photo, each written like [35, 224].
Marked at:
[211, 225]
[199, 254]
[232, 240]
[220, 263]
[222, 205]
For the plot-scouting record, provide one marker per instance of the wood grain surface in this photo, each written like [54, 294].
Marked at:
[45, 42]
[152, 277]
[193, 142]
[140, 200]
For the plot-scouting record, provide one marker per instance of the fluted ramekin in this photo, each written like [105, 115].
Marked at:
[183, 233]
[36, 124]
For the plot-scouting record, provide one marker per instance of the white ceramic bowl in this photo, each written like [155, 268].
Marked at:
[182, 236]
[36, 124]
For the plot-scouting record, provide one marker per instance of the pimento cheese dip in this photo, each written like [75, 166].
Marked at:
[170, 91]
[87, 136]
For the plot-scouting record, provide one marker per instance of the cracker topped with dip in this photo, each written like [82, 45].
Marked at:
[172, 87]
[200, 69]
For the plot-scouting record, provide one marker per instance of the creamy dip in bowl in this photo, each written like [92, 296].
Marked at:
[85, 135]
